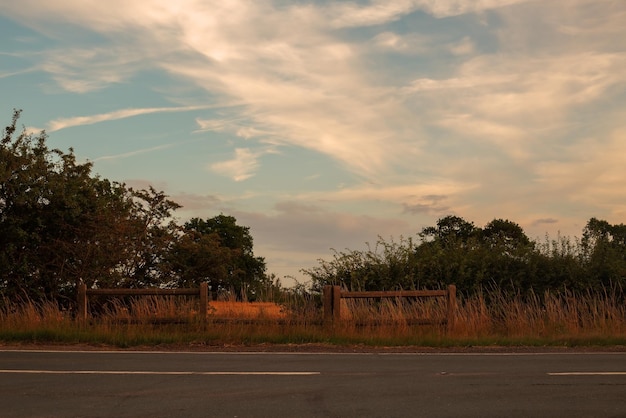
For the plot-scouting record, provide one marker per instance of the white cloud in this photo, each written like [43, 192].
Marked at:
[241, 167]
[344, 14]
[64, 123]
[132, 153]
[377, 12]
[301, 84]
[517, 102]
[515, 110]
[447, 8]
[408, 44]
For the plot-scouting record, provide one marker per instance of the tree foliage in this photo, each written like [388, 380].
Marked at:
[220, 252]
[56, 219]
[61, 225]
[605, 250]
[455, 251]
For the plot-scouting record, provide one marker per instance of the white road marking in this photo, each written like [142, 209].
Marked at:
[177, 373]
[587, 374]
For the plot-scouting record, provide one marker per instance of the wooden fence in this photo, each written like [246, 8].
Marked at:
[332, 296]
[202, 292]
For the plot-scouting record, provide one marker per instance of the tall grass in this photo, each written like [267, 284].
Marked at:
[565, 316]
[488, 318]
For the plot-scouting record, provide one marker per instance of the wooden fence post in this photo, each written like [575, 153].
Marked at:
[451, 306]
[327, 298]
[204, 300]
[81, 302]
[332, 304]
[336, 304]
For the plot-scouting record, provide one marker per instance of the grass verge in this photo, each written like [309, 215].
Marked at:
[485, 320]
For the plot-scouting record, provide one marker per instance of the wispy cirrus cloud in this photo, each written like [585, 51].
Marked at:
[482, 108]
[302, 84]
[133, 153]
[64, 123]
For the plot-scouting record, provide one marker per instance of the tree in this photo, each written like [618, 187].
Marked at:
[151, 234]
[196, 257]
[390, 265]
[62, 225]
[505, 235]
[505, 256]
[604, 248]
[51, 213]
[219, 251]
[449, 253]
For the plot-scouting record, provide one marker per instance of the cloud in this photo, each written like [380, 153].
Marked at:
[91, 68]
[591, 173]
[346, 14]
[276, 61]
[447, 8]
[294, 227]
[18, 72]
[132, 153]
[543, 221]
[464, 47]
[512, 110]
[405, 195]
[377, 12]
[429, 204]
[64, 123]
[299, 82]
[241, 167]
[518, 104]
[409, 44]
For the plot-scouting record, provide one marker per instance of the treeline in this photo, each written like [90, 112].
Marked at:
[499, 255]
[61, 225]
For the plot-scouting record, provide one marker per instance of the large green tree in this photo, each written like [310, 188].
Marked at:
[604, 247]
[149, 237]
[55, 218]
[62, 225]
[219, 251]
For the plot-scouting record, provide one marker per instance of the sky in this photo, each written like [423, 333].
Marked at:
[326, 124]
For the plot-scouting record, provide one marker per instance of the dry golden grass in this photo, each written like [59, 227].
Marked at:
[566, 315]
[248, 310]
[393, 310]
[490, 318]
[29, 315]
[150, 307]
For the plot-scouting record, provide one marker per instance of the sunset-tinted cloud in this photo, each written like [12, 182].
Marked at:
[381, 115]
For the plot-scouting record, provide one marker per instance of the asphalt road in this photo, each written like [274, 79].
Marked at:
[149, 384]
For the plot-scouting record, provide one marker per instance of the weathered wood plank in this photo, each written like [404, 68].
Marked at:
[395, 294]
[144, 292]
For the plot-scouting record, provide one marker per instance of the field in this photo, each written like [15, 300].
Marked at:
[489, 319]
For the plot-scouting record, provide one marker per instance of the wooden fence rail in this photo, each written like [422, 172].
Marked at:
[202, 292]
[332, 296]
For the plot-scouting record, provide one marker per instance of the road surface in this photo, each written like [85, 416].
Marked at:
[179, 384]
